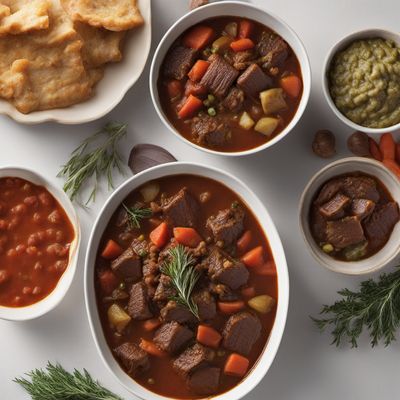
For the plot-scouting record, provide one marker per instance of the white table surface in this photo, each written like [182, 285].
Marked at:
[306, 366]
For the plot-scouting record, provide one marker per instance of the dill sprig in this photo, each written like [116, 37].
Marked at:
[376, 307]
[137, 214]
[55, 383]
[181, 269]
[88, 161]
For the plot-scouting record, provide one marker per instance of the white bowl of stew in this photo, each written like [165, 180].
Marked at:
[206, 89]
[39, 242]
[154, 376]
[373, 244]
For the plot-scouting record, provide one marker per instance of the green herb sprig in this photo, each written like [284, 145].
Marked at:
[376, 307]
[55, 383]
[88, 161]
[180, 268]
[136, 215]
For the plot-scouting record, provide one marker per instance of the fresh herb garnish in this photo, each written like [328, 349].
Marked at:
[55, 383]
[180, 268]
[136, 214]
[86, 163]
[376, 306]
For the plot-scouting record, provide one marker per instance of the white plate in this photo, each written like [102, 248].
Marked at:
[118, 79]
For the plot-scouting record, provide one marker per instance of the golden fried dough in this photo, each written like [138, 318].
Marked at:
[114, 15]
[12, 81]
[4, 11]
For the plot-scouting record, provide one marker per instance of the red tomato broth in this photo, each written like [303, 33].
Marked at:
[35, 239]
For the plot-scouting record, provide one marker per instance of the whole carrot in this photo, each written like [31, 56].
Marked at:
[374, 150]
[387, 146]
[392, 166]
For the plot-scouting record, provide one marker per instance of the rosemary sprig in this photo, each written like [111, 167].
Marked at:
[88, 161]
[136, 214]
[55, 383]
[180, 268]
[376, 306]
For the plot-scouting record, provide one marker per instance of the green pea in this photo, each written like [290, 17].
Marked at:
[211, 112]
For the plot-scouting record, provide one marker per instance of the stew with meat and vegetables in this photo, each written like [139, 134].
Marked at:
[35, 239]
[353, 216]
[230, 84]
[186, 287]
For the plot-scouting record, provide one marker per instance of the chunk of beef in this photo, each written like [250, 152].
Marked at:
[198, 3]
[134, 359]
[210, 131]
[335, 207]
[175, 312]
[329, 190]
[138, 305]
[380, 224]
[241, 331]
[164, 289]
[128, 265]
[273, 50]
[361, 187]
[362, 208]
[227, 225]
[224, 269]
[344, 232]
[318, 225]
[204, 381]
[219, 77]
[172, 337]
[192, 359]
[178, 62]
[140, 247]
[181, 209]
[253, 81]
[223, 292]
[206, 304]
[234, 100]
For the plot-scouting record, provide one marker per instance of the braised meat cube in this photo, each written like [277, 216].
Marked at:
[128, 265]
[224, 269]
[380, 224]
[181, 209]
[227, 225]
[241, 331]
[210, 131]
[335, 207]
[234, 100]
[206, 304]
[164, 289]
[192, 359]
[223, 292]
[178, 62]
[253, 81]
[139, 303]
[328, 191]
[172, 337]
[219, 77]
[344, 232]
[140, 247]
[273, 50]
[242, 59]
[361, 187]
[175, 312]
[134, 359]
[318, 225]
[362, 208]
[204, 381]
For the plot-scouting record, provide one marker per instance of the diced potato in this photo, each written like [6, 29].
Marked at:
[246, 122]
[150, 192]
[231, 29]
[118, 318]
[273, 100]
[221, 44]
[266, 125]
[263, 304]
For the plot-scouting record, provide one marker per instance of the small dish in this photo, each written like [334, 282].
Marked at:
[346, 165]
[340, 45]
[54, 298]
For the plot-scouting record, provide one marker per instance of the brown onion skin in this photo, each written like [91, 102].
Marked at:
[358, 144]
[324, 144]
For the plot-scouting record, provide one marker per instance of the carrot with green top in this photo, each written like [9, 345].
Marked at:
[292, 85]
[198, 70]
[190, 107]
[111, 250]
[242, 45]
[198, 37]
[236, 365]
[387, 146]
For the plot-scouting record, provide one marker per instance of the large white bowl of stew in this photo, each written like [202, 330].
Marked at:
[217, 339]
[230, 78]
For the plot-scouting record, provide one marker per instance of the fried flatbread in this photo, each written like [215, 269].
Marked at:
[114, 15]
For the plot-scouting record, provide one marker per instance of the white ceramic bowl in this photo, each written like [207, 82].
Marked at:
[54, 298]
[268, 226]
[240, 9]
[346, 165]
[118, 79]
[341, 45]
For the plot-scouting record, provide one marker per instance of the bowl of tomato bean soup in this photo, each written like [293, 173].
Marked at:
[39, 240]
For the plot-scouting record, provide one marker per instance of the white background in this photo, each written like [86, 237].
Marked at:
[306, 366]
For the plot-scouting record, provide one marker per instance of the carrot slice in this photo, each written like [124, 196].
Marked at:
[187, 236]
[398, 153]
[236, 365]
[151, 324]
[374, 150]
[248, 292]
[267, 269]
[208, 336]
[198, 37]
[392, 166]
[151, 348]
[111, 250]
[174, 88]
[244, 241]
[198, 70]
[291, 85]
[191, 105]
[108, 281]
[387, 146]
[245, 28]
[231, 307]
[254, 257]
[160, 235]
[242, 45]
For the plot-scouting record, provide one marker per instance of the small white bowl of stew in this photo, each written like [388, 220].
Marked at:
[224, 343]
[39, 242]
[230, 78]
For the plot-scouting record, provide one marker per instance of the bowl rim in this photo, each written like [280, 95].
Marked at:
[303, 209]
[339, 45]
[271, 347]
[305, 69]
[53, 299]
